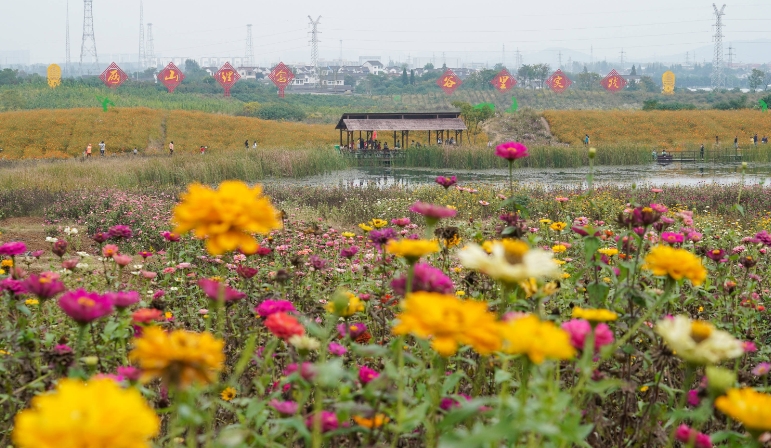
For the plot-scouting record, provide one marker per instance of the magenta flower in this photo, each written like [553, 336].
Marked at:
[426, 278]
[284, 407]
[101, 237]
[382, 236]
[130, 373]
[447, 182]
[762, 369]
[579, 329]
[366, 374]
[511, 151]
[448, 403]
[59, 248]
[15, 287]
[84, 307]
[170, 237]
[672, 237]
[354, 330]
[145, 254]
[328, 419]
[264, 251]
[45, 285]
[401, 222]
[318, 263]
[349, 252]
[213, 288]
[246, 272]
[120, 231]
[307, 371]
[685, 434]
[123, 299]
[433, 213]
[693, 398]
[749, 347]
[13, 248]
[337, 349]
[269, 307]
[764, 237]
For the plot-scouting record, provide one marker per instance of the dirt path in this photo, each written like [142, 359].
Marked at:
[31, 230]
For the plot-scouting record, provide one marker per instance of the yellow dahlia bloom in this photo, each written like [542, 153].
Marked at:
[449, 322]
[226, 217]
[228, 394]
[608, 251]
[378, 223]
[598, 315]
[412, 250]
[348, 234]
[558, 226]
[510, 261]
[374, 422]
[345, 305]
[559, 248]
[539, 340]
[698, 342]
[365, 228]
[99, 413]
[751, 408]
[179, 358]
[676, 263]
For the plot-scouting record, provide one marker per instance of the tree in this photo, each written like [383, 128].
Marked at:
[11, 100]
[8, 77]
[634, 71]
[194, 72]
[405, 80]
[648, 85]
[428, 66]
[412, 77]
[588, 80]
[473, 117]
[756, 79]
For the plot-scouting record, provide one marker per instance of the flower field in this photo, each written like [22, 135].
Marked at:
[452, 315]
[66, 133]
[676, 130]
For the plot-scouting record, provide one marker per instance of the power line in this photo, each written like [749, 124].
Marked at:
[249, 58]
[718, 80]
[88, 45]
[150, 47]
[315, 48]
[67, 63]
[142, 54]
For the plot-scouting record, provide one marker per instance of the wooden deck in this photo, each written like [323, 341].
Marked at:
[712, 156]
[373, 156]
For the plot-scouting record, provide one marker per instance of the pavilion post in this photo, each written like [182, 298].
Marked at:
[394, 139]
[341, 137]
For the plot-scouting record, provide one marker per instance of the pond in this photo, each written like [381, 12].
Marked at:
[653, 174]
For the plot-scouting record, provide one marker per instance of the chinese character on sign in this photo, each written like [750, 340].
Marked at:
[503, 81]
[449, 81]
[281, 76]
[171, 77]
[613, 82]
[558, 82]
[113, 76]
[227, 76]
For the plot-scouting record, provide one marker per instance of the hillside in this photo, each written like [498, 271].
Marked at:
[65, 133]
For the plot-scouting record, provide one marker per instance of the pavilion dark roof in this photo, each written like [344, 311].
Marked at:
[438, 121]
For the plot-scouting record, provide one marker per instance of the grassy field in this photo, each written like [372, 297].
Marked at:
[670, 129]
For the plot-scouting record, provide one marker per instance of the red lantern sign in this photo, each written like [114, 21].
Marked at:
[227, 76]
[171, 77]
[613, 82]
[113, 76]
[558, 82]
[503, 81]
[449, 81]
[281, 76]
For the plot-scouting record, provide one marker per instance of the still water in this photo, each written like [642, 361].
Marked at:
[653, 174]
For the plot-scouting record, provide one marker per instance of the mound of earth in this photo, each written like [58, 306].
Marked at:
[524, 126]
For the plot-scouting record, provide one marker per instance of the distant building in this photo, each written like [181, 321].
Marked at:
[374, 67]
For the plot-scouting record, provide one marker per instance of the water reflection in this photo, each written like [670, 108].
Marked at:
[653, 174]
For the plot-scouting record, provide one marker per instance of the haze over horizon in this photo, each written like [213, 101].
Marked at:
[444, 31]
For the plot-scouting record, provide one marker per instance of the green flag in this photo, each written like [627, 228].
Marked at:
[105, 102]
[763, 106]
[514, 105]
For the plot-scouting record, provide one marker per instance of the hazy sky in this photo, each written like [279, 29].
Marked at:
[469, 30]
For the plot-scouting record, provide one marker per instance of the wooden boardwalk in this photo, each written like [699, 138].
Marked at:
[374, 156]
[711, 156]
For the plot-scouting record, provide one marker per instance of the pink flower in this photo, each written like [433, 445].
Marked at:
[401, 222]
[561, 199]
[170, 237]
[337, 349]
[84, 307]
[328, 419]
[579, 329]
[70, 264]
[149, 274]
[122, 260]
[693, 398]
[169, 270]
[120, 231]
[511, 151]
[672, 237]
[366, 374]
[685, 434]
[762, 369]
[268, 307]
[13, 248]
[749, 347]
[184, 265]
[246, 272]
[213, 289]
[109, 250]
[123, 299]
[284, 407]
[656, 190]
[45, 285]
[431, 211]
[307, 371]
[446, 182]
[130, 373]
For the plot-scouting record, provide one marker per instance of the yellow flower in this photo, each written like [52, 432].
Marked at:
[228, 394]
[179, 358]
[565, 275]
[558, 226]
[452, 242]
[529, 286]
[460, 293]
[545, 221]
[226, 217]
[412, 250]
[644, 389]
[378, 223]
[559, 262]
[168, 315]
[6, 263]
[348, 234]
[449, 322]
[31, 302]
[487, 246]
[365, 228]
[374, 422]
[676, 263]
[2, 271]
[539, 340]
[550, 288]
[608, 251]
[99, 413]
[345, 304]
[452, 207]
[599, 315]
[698, 342]
[510, 262]
[558, 248]
[4, 353]
[751, 408]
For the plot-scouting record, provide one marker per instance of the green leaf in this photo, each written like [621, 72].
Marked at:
[598, 293]
[591, 245]
[501, 376]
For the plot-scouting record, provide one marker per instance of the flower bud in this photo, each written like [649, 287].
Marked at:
[90, 360]
[719, 380]
[592, 153]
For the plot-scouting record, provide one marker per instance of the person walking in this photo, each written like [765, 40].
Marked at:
[246, 144]
[171, 148]
[755, 139]
[736, 142]
[135, 150]
[203, 149]
[101, 148]
[88, 150]
[701, 152]
[586, 139]
[254, 145]
[653, 154]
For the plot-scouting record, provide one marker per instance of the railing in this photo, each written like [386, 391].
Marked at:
[708, 156]
[384, 156]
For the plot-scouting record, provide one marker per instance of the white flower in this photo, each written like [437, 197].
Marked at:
[70, 230]
[698, 342]
[81, 266]
[173, 288]
[83, 254]
[137, 266]
[135, 272]
[534, 263]
[50, 239]
[305, 342]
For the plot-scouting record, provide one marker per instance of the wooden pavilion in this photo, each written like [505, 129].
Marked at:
[441, 124]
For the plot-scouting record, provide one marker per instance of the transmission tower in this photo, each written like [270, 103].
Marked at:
[718, 79]
[67, 60]
[249, 57]
[622, 57]
[142, 54]
[150, 50]
[88, 46]
[315, 48]
[559, 58]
